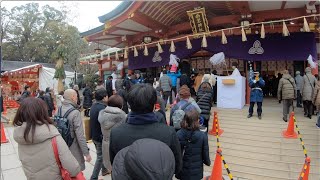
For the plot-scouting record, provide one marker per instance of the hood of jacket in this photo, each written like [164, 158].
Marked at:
[287, 76]
[68, 102]
[111, 114]
[41, 134]
[308, 70]
[140, 119]
[145, 159]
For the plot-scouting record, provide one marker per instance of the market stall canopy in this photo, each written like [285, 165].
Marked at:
[27, 69]
[131, 21]
[13, 65]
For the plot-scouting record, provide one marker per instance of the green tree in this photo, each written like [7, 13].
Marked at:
[36, 34]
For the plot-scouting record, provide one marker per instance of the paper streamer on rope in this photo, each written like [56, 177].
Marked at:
[244, 37]
[189, 46]
[101, 56]
[311, 62]
[125, 56]
[120, 66]
[135, 52]
[263, 33]
[285, 30]
[217, 58]
[160, 50]
[223, 38]
[174, 60]
[145, 52]
[204, 42]
[305, 25]
[172, 47]
[117, 55]
[109, 57]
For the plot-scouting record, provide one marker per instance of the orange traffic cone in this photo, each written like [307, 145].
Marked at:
[305, 170]
[216, 173]
[289, 133]
[215, 125]
[4, 112]
[3, 135]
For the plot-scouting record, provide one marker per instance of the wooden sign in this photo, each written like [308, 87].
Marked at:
[198, 21]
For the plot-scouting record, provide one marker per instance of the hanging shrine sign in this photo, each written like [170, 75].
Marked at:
[198, 21]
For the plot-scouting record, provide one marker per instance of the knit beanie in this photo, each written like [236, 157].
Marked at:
[184, 92]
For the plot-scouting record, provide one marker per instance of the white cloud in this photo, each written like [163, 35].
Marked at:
[84, 14]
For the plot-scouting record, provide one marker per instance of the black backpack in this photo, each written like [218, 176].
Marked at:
[63, 125]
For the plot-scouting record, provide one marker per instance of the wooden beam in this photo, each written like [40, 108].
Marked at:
[113, 29]
[103, 39]
[241, 7]
[260, 16]
[147, 21]
[215, 21]
[283, 5]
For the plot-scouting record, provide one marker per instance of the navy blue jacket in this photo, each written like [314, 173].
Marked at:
[196, 153]
[95, 128]
[256, 94]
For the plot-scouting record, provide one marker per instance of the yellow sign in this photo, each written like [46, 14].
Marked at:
[198, 21]
[107, 25]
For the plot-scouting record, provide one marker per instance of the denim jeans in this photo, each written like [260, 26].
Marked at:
[99, 162]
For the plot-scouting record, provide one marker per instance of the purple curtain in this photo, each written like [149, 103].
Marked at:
[274, 47]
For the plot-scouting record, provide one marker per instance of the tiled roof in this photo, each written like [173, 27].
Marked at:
[121, 8]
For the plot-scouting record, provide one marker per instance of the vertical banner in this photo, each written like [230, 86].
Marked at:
[198, 21]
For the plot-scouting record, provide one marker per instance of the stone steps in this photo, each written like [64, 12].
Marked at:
[255, 149]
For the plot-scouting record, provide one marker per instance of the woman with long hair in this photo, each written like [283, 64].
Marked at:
[194, 147]
[34, 132]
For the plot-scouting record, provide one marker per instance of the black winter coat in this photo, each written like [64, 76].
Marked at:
[95, 128]
[109, 87]
[49, 100]
[185, 80]
[78, 96]
[204, 101]
[196, 153]
[87, 98]
[126, 134]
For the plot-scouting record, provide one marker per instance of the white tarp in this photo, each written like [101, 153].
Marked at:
[46, 79]
[231, 96]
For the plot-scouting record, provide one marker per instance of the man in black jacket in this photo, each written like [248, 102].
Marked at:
[101, 97]
[49, 101]
[109, 86]
[143, 123]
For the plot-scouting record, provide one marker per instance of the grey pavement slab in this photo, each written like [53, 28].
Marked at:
[16, 173]
[10, 162]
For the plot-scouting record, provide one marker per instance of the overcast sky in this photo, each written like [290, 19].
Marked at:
[84, 14]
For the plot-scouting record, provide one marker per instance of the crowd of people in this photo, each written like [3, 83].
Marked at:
[123, 121]
[129, 127]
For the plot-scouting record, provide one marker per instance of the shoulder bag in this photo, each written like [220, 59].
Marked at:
[64, 173]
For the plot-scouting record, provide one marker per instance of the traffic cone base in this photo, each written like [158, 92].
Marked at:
[285, 134]
[290, 133]
[3, 135]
